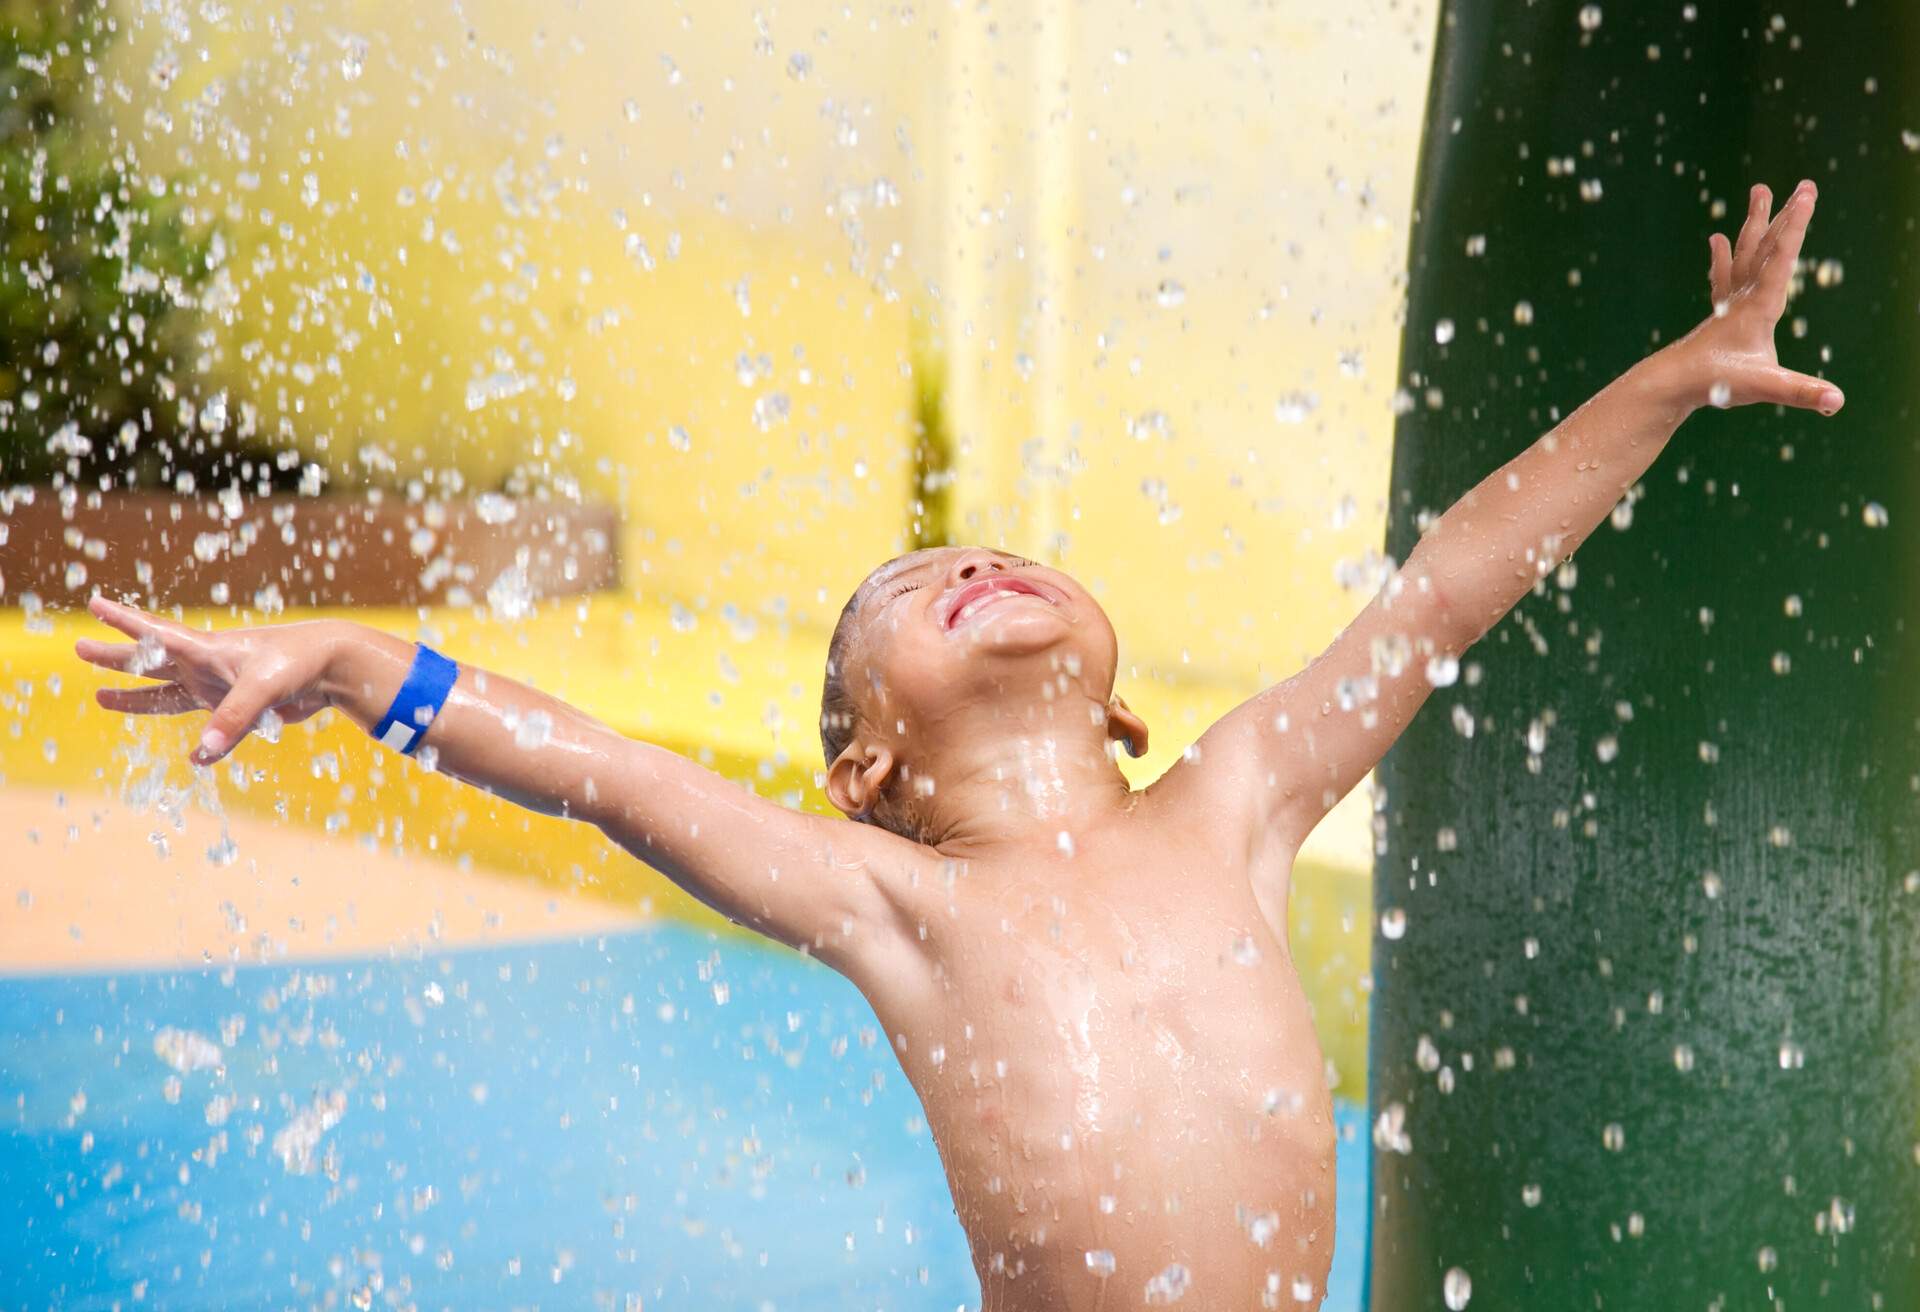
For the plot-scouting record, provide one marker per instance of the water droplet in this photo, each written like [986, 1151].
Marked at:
[1614, 1137]
[1152, 423]
[1447, 839]
[534, 730]
[1443, 671]
[1873, 515]
[1170, 1286]
[1170, 293]
[1794, 607]
[1792, 1056]
[1912, 882]
[1828, 273]
[1710, 884]
[1294, 407]
[1607, 749]
[1443, 331]
[1782, 663]
[1065, 842]
[721, 992]
[770, 409]
[1245, 951]
[799, 64]
[224, 852]
[1100, 1262]
[511, 595]
[1719, 394]
[76, 575]
[1302, 1289]
[1456, 1289]
[1462, 721]
[631, 108]
[1622, 516]
[1589, 18]
[1536, 736]
[1530, 1194]
[1425, 1055]
[1682, 1058]
[433, 993]
[1767, 1258]
[186, 1051]
[1523, 312]
[1393, 923]
[1390, 1130]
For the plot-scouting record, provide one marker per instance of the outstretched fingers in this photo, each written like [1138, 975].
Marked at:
[1801, 391]
[1759, 206]
[1719, 269]
[232, 720]
[161, 699]
[150, 659]
[1781, 251]
[129, 620]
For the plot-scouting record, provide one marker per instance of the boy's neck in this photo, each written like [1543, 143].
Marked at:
[1009, 785]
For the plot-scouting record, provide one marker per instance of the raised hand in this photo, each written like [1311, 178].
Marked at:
[1730, 355]
[237, 674]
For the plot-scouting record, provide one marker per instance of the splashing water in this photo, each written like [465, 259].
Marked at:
[186, 1051]
[296, 1141]
[1170, 1286]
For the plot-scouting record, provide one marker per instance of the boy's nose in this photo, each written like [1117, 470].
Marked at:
[974, 562]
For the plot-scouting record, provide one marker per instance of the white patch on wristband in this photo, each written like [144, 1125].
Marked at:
[398, 736]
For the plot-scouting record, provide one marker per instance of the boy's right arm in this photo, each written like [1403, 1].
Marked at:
[828, 887]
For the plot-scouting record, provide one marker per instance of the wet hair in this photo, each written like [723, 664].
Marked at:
[838, 713]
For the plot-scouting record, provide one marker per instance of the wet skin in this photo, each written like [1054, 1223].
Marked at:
[1088, 985]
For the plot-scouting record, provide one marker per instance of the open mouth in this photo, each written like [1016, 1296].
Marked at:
[982, 593]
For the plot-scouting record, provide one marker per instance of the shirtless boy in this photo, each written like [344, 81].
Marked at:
[1089, 986]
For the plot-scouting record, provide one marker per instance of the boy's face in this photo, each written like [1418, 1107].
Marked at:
[943, 629]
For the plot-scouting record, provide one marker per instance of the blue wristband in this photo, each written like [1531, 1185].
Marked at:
[418, 701]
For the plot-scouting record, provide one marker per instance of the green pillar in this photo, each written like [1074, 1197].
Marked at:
[1647, 1000]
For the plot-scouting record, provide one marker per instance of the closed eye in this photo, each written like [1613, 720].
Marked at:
[901, 592]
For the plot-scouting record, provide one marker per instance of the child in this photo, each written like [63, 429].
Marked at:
[1088, 986]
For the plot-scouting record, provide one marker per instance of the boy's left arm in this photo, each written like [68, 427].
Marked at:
[1300, 746]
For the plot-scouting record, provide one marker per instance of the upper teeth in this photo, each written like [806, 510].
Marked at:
[985, 598]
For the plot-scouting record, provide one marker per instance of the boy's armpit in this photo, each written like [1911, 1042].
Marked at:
[832, 888]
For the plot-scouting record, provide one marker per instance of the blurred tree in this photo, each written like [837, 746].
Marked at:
[933, 454]
[100, 265]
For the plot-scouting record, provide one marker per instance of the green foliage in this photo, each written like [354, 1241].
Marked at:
[96, 267]
[933, 453]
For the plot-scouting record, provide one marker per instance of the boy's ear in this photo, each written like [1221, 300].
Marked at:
[1123, 724]
[857, 776]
